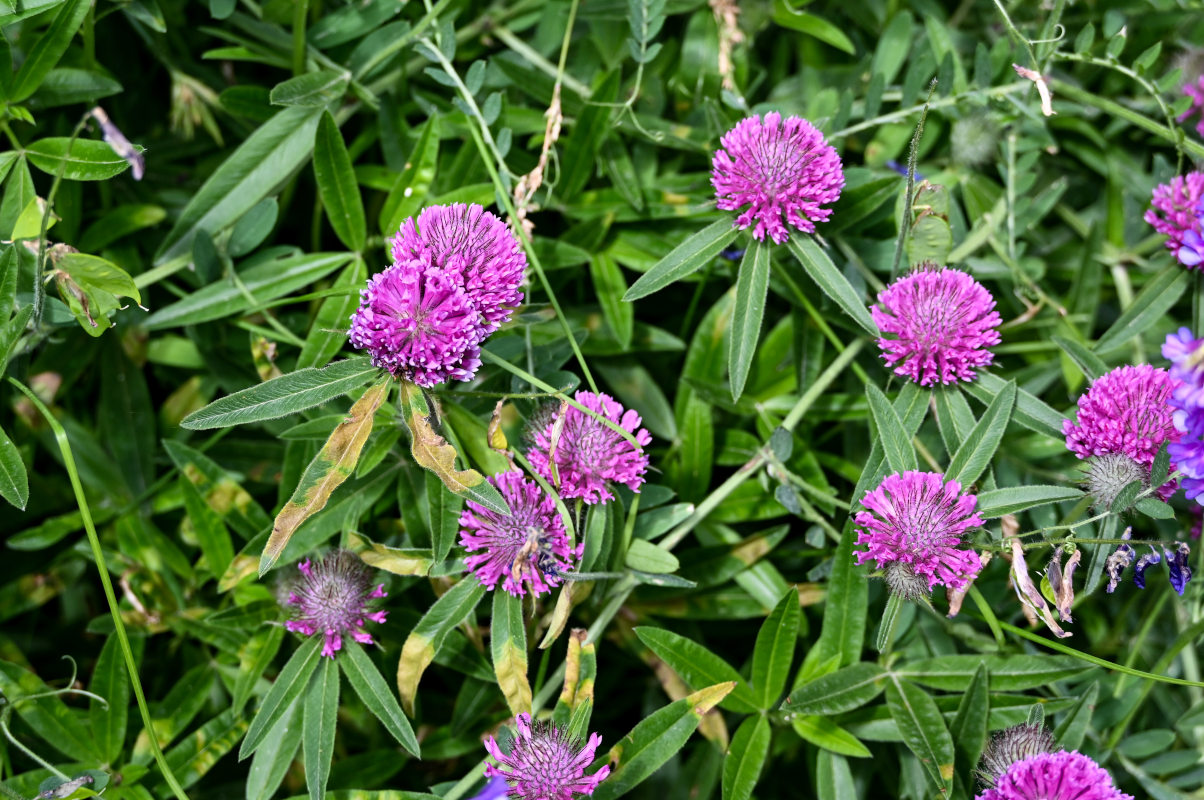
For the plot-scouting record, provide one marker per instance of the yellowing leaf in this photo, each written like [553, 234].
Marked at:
[416, 656]
[333, 464]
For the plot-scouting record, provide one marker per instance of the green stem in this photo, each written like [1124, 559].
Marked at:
[943, 102]
[60, 437]
[1174, 136]
[31, 754]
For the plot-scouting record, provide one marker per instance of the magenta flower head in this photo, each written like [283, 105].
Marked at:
[942, 321]
[589, 455]
[1055, 776]
[779, 169]
[528, 547]
[1177, 214]
[455, 279]
[1126, 412]
[333, 597]
[544, 763]
[1195, 90]
[914, 528]
[1012, 745]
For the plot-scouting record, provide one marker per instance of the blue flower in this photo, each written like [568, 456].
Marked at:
[496, 789]
[1143, 563]
[1176, 560]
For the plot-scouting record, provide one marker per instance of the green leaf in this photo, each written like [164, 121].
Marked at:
[1153, 507]
[969, 727]
[328, 470]
[752, 289]
[80, 160]
[1072, 730]
[825, 274]
[263, 282]
[824, 733]
[319, 715]
[1148, 308]
[953, 416]
[774, 651]
[14, 480]
[580, 152]
[1126, 496]
[252, 229]
[260, 165]
[90, 286]
[837, 692]
[648, 557]
[326, 337]
[698, 667]
[289, 685]
[746, 757]
[997, 502]
[1008, 673]
[119, 222]
[254, 657]
[456, 605]
[685, 259]
[48, 49]
[656, 739]
[900, 455]
[833, 778]
[275, 755]
[1030, 412]
[110, 681]
[894, 45]
[372, 689]
[313, 89]
[923, 730]
[279, 397]
[199, 751]
[414, 183]
[508, 646]
[1091, 365]
[47, 714]
[208, 527]
[811, 25]
[337, 186]
[1160, 469]
[610, 287]
[976, 452]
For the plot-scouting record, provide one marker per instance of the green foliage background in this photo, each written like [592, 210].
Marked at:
[284, 141]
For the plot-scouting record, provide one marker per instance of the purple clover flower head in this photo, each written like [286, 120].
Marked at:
[942, 321]
[469, 242]
[1127, 411]
[1195, 90]
[1175, 213]
[419, 324]
[528, 548]
[919, 520]
[333, 597]
[1145, 562]
[780, 169]
[1176, 560]
[455, 279]
[544, 763]
[1055, 776]
[1186, 354]
[1011, 745]
[589, 455]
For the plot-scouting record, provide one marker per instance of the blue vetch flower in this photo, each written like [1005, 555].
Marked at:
[496, 789]
[1176, 560]
[1143, 563]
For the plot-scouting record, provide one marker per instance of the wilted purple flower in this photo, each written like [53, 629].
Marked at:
[1128, 412]
[1119, 561]
[528, 546]
[1196, 92]
[588, 454]
[779, 168]
[454, 281]
[1179, 204]
[918, 521]
[1145, 562]
[1009, 746]
[333, 597]
[1055, 776]
[473, 244]
[1176, 560]
[544, 763]
[1186, 355]
[942, 321]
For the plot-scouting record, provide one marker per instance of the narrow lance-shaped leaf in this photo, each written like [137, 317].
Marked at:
[274, 757]
[48, 49]
[972, 458]
[431, 451]
[336, 185]
[413, 184]
[746, 758]
[289, 685]
[333, 464]
[685, 259]
[508, 645]
[288, 394]
[923, 730]
[318, 717]
[580, 669]
[969, 727]
[1148, 308]
[775, 650]
[455, 606]
[837, 692]
[752, 288]
[895, 442]
[375, 693]
[327, 335]
[698, 666]
[657, 739]
[14, 480]
[825, 274]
